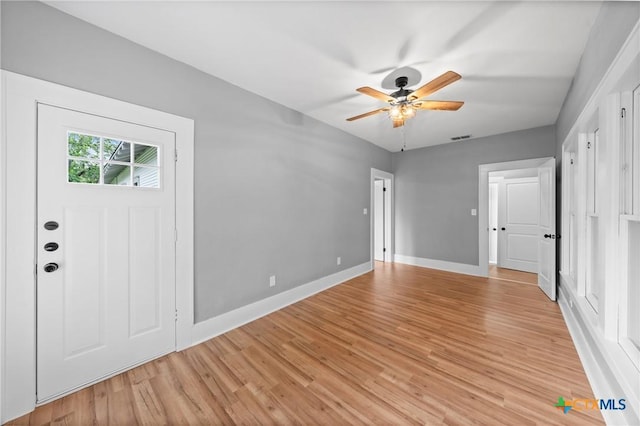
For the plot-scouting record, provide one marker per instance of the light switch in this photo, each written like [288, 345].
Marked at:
[364, 211]
[474, 212]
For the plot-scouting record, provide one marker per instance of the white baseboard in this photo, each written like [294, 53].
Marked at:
[443, 265]
[216, 326]
[601, 377]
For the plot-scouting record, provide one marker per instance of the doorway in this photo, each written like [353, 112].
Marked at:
[545, 231]
[381, 216]
[18, 283]
[381, 220]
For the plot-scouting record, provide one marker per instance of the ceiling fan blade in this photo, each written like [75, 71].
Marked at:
[439, 105]
[376, 94]
[367, 114]
[398, 123]
[434, 85]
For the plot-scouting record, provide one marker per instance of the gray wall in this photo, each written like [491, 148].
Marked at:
[276, 192]
[436, 188]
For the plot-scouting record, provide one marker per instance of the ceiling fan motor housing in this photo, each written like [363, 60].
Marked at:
[400, 83]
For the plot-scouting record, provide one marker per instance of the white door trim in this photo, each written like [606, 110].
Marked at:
[20, 95]
[483, 200]
[379, 174]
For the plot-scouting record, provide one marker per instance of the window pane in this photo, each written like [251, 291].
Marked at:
[84, 171]
[146, 177]
[117, 174]
[146, 154]
[83, 146]
[595, 266]
[592, 172]
[116, 150]
[633, 296]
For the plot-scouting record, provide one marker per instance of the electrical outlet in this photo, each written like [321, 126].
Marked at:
[272, 281]
[364, 211]
[339, 260]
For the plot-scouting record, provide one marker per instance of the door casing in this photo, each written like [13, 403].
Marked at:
[20, 96]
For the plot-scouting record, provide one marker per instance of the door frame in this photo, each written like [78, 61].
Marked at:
[389, 184]
[483, 203]
[18, 144]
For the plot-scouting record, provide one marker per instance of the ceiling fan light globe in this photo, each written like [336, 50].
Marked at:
[408, 112]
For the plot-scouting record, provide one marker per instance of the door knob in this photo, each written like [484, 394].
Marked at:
[51, 246]
[495, 229]
[503, 228]
[552, 236]
[51, 267]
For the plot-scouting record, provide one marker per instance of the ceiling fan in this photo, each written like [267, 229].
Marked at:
[404, 103]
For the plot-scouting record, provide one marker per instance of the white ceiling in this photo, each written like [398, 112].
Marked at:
[516, 59]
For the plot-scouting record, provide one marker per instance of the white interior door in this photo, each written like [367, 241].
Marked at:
[379, 220]
[547, 228]
[518, 217]
[106, 248]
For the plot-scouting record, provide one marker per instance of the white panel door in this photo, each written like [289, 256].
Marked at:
[106, 248]
[518, 235]
[379, 220]
[547, 230]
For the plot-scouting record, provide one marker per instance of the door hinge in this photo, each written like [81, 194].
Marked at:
[176, 155]
[623, 113]
[384, 249]
[588, 145]
[572, 161]
[384, 189]
[175, 235]
[176, 317]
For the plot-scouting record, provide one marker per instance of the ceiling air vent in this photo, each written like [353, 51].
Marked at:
[458, 138]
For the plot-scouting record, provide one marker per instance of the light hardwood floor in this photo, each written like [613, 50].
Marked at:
[512, 275]
[400, 345]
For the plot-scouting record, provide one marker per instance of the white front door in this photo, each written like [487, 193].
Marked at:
[547, 228]
[106, 248]
[518, 217]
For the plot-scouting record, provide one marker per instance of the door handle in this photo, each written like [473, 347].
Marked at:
[495, 229]
[552, 236]
[503, 228]
[51, 267]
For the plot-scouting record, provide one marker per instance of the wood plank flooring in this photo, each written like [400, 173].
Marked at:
[400, 345]
[512, 275]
